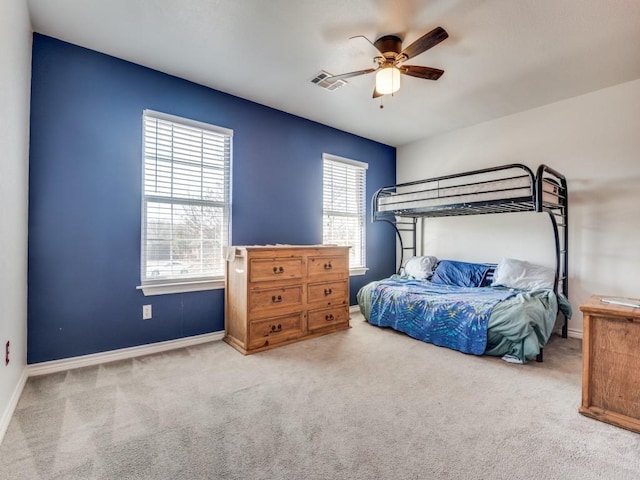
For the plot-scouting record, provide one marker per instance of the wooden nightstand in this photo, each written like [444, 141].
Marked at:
[611, 363]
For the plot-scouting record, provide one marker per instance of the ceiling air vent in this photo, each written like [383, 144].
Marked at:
[323, 79]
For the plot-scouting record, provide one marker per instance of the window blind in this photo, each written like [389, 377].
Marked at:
[344, 206]
[186, 206]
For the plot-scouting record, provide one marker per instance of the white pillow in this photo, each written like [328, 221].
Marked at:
[420, 267]
[520, 274]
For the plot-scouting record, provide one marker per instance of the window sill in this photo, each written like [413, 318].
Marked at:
[355, 272]
[180, 287]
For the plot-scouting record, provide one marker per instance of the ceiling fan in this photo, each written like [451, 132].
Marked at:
[390, 62]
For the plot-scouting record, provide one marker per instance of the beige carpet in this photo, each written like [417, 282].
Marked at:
[366, 403]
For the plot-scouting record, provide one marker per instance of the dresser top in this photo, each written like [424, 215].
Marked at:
[281, 246]
[280, 249]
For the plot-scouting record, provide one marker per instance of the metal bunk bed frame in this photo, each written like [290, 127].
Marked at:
[547, 184]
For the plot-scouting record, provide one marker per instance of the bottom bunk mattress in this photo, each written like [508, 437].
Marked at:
[513, 324]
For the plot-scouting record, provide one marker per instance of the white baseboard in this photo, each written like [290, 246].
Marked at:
[572, 333]
[354, 309]
[13, 403]
[55, 366]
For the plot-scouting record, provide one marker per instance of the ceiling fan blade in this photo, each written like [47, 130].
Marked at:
[421, 72]
[376, 93]
[425, 42]
[372, 44]
[342, 76]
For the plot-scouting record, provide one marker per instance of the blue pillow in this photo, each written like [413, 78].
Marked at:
[461, 274]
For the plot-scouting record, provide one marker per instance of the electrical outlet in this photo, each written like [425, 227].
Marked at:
[146, 312]
[6, 353]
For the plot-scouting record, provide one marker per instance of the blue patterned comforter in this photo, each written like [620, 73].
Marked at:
[448, 316]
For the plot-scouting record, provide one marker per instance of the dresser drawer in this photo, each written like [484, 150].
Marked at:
[328, 265]
[328, 293]
[274, 330]
[264, 301]
[270, 269]
[327, 317]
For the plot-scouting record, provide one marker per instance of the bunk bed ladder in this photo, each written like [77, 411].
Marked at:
[408, 243]
[407, 225]
[560, 226]
[559, 216]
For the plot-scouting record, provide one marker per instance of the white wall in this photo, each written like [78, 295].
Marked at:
[15, 87]
[594, 140]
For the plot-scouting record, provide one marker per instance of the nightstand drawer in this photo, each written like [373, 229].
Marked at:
[328, 293]
[270, 331]
[327, 317]
[272, 269]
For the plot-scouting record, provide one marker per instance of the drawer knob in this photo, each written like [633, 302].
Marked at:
[327, 292]
[278, 270]
[328, 266]
[276, 328]
[276, 299]
[329, 317]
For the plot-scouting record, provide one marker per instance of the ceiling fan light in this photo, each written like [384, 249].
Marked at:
[388, 80]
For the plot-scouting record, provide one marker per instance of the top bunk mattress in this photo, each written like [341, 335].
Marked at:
[503, 190]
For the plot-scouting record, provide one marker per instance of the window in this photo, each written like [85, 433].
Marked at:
[344, 207]
[186, 203]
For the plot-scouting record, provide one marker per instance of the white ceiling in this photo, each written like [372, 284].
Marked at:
[501, 57]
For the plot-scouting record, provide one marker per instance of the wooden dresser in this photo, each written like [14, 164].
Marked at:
[275, 295]
[611, 363]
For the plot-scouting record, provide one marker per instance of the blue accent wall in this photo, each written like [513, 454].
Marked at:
[85, 197]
